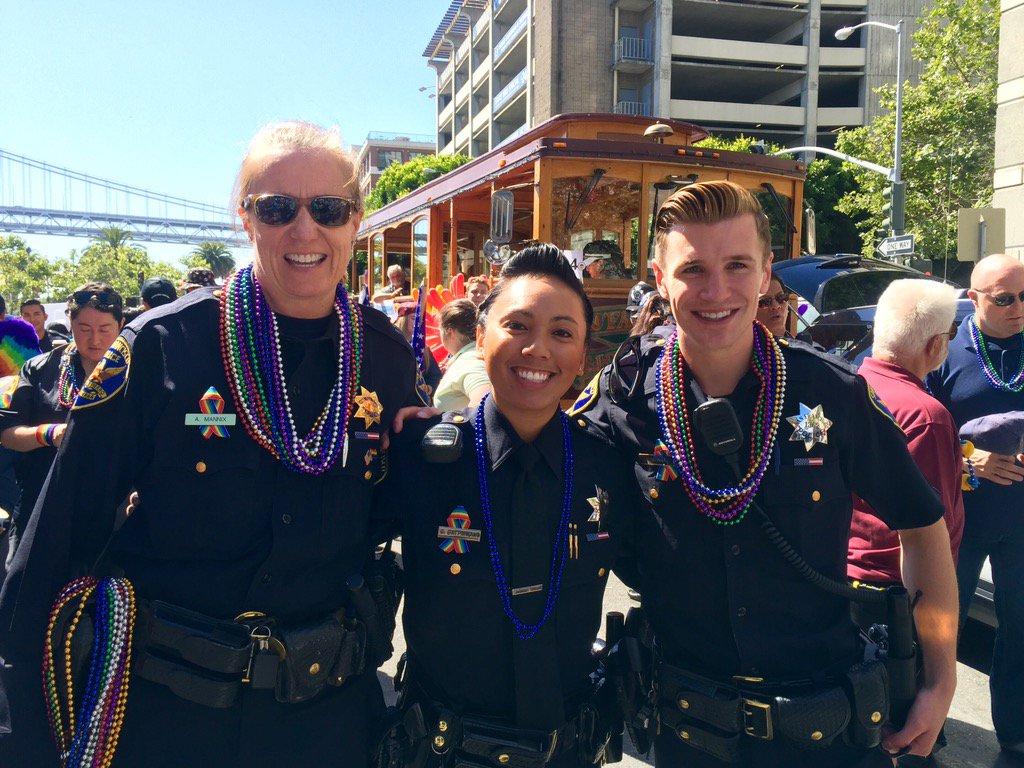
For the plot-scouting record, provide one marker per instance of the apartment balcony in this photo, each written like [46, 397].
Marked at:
[480, 28]
[510, 38]
[446, 114]
[462, 94]
[634, 108]
[463, 51]
[481, 118]
[505, 96]
[482, 71]
[632, 55]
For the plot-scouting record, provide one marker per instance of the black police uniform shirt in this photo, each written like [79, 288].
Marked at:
[221, 528]
[462, 650]
[721, 598]
[35, 401]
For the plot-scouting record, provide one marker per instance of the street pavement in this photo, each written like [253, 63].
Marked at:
[972, 742]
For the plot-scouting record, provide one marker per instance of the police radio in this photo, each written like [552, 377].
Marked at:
[894, 643]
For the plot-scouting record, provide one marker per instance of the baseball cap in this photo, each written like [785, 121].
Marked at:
[158, 291]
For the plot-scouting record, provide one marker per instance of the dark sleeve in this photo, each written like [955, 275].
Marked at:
[624, 511]
[935, 383]
[24, 400]
[879, 468]
[103, 449]
[395, 496]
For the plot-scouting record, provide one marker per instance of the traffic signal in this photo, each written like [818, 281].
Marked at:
[893, 207]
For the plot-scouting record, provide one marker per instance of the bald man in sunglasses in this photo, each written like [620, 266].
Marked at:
[984, 375]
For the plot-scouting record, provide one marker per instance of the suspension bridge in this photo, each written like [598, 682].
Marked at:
[39, 198]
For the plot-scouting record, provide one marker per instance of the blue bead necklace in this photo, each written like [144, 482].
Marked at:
[523, 630]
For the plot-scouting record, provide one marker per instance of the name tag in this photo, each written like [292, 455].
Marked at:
[467, 534]
[209, 419]
[517, 591]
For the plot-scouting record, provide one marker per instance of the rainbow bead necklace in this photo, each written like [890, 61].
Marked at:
[1016, 384]
[250, 347]
[67, 382]
[87, 737]
[725, 506]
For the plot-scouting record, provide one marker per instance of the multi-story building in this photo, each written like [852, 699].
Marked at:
[1009, 173]
[382, 149]
[767, 68]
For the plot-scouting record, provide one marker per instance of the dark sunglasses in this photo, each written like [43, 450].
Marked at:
[278, 210]
[1005, 299]
[779, 298]
[103, 298]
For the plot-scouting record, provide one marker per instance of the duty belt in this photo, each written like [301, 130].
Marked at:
[714, 716]
[466, 741]
[208, 661]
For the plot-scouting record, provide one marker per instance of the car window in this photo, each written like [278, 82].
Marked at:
[856, 289]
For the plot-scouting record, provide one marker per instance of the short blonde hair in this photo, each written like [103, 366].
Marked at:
[709, 202]
[289, 136]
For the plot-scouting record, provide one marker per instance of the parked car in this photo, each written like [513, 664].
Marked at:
[841, 280]
[847, 332]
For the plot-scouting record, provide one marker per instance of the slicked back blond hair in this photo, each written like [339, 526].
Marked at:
[709, 202]
[295, 135]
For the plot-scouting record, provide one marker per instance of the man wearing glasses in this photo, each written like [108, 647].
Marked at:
[984, 375]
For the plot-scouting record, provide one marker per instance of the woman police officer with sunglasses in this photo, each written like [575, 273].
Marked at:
[33, 425]
[506, 561]
[249, 421]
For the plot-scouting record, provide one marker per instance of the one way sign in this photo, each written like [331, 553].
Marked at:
[901, 245]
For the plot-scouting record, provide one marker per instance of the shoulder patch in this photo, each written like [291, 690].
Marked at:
[108, 379]
[881, 407]
[7, 386]
[587, 397]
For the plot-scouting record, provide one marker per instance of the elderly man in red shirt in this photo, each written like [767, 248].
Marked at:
[913, 326]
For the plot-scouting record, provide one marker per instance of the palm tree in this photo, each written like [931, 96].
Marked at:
[113, 237]
[217, 256]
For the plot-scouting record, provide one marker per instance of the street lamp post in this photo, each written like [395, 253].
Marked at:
[898, 197]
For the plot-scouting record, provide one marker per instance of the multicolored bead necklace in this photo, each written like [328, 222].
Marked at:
[87, 737]
[560, 550]
[67, 381]
[725, 506]
[1016, 384]
[250, 347]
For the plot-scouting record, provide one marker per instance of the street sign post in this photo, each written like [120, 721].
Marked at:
[899, 245]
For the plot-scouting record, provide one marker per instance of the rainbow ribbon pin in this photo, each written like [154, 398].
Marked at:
[212, 403]
[665, 472]
[456, 537]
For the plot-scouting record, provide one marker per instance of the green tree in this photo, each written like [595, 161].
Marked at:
[213, 256]
[402, 178]
[948, 129]
[827, 181]
[24, 274]
[114, 237]
[123, 266]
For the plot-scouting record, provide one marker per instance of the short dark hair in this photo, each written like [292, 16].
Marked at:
[459, 316]
[544, 260]
[31, 303]
[3, 306]
[201, 276]
[113, 307]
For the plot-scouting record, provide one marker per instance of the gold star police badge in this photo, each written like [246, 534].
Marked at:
[368, 408]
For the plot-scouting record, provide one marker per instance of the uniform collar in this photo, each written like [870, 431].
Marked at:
[889, 370]
[502, 440]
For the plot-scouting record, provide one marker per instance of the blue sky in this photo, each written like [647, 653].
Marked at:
[165, 95]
